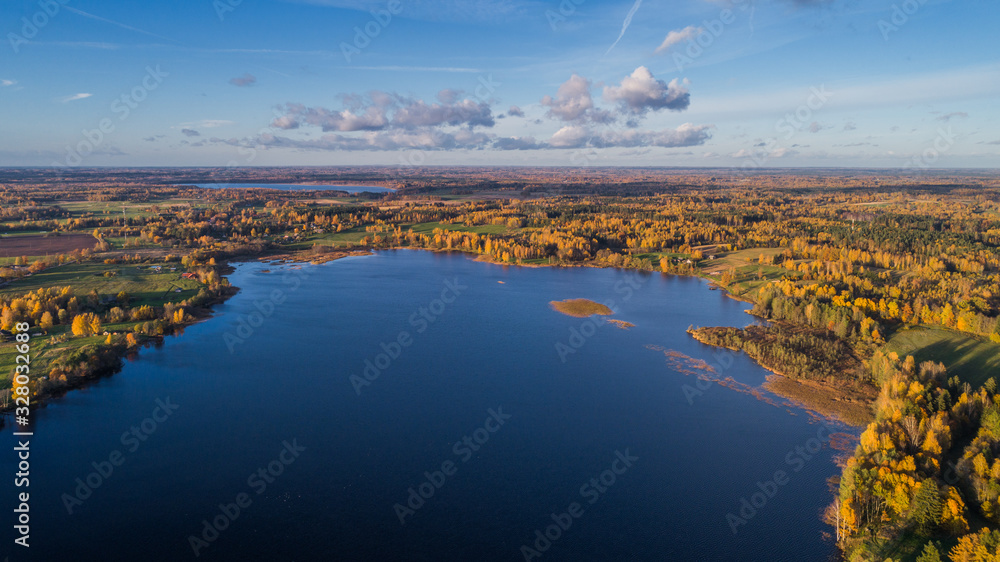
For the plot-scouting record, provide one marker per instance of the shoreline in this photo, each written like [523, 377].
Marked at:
[852, 408]
[784, 386]
[849, 406]
[111, 357]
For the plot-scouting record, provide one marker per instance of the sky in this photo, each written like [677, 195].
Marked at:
[714, 83]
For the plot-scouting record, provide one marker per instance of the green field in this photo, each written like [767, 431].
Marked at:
[114, 209]
[344, 238]
[745, 263]
[737, 259]
[973, 360]
[42, 353]
[143, 285]
[427, 228]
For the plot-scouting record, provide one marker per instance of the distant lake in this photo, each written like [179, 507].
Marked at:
[296, 187]
[474, 406]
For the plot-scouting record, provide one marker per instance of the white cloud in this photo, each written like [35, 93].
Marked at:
[780, 152]
[678, 36]
[75, 97]
[953, 115]
[244, 81]
[427, 139]
[570, 136]
[641, 92]
[207, 124]
[517, 143]
[687, 134]
[6, 83]
[783, 152]
[574, 103]
[576, 136]
[384, 110]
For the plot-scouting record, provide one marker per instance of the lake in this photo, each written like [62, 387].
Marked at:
[411, 405]
[295, 187]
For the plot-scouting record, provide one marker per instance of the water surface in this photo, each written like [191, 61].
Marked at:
[274, 366]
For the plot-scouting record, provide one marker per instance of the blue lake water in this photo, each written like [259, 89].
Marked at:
[296, 187]
[266, 407]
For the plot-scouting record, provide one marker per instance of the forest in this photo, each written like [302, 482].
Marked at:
[841, 268]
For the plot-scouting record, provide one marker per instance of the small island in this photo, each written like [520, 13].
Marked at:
[580, 308]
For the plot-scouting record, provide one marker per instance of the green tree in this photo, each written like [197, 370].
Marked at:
[927, 506]
[930, 554]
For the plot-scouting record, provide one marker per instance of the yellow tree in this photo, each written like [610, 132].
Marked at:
[80, 326]
[86, 324]
[953, 513]
[983, 546]
[46, 322]
[6, 319]
[948, 316]
[17, 389]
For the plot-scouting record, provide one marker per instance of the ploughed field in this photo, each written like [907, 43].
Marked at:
[42, 245]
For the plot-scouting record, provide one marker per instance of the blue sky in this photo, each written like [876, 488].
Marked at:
[741, 83]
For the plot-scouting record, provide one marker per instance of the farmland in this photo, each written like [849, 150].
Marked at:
[39, 245]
